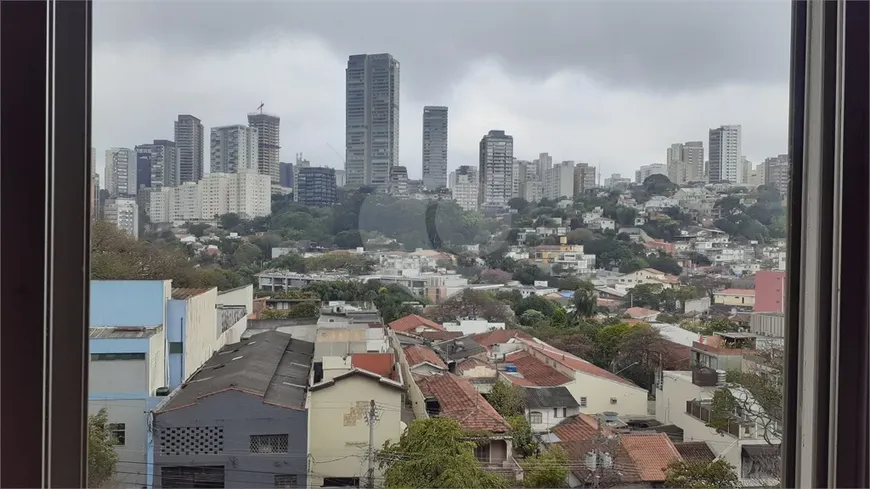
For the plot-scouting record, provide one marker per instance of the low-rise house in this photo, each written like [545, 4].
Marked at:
[472, 326]
[457, 349]
[547, 406]
[240, 421]
[735, 297]
[602, 223]
[482, 374]
[422, 360]
[648, 276]
[642, 314]
[454, 397]
[339, 418]
[413, 323]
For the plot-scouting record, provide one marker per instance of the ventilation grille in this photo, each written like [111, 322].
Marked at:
[269, 443]
[192, 440]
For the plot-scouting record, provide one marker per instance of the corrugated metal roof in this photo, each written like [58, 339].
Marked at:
[121, 332]
[549, 397]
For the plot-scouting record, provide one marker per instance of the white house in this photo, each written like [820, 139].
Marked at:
[547, 406]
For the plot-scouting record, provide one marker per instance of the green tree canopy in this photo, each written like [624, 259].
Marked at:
[549, 469]
[702, 475]
[102, 457]
[508, 399]
[434, 453]
[521, 433]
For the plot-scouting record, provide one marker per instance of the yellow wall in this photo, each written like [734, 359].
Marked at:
[734, 300]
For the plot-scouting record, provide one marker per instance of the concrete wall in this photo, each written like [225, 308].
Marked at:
[240, 296]
[158, 368]
[200, 333]
[239, 416]
[113, 377]
[548, 419]
[131, 470]
[412, 390]
[129, 302]
[340, 435]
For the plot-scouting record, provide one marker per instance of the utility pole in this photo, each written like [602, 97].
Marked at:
[596, 477]
[371, 419]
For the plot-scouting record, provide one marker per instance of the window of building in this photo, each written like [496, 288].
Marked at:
[119, 433]
[536, 417]
[285, 481]
[269, 443]
[105, 357]
[583, 402]
[176, 347]
[481, 452]
[564, 412]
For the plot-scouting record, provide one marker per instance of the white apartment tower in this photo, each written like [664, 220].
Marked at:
[559, 181]
[246, 193]
[543, 163]
[464, 187]
[495, 169]
[434, 147]
[725, 155]
[121, 172]
[268, 144]
[685, 162]
[233, 148]
[123, 213]
[371, 119]
[189, 140]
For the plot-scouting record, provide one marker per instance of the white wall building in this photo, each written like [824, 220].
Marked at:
[246, 193]
[464, 186]
[121, 172]
[123, 213]
[559, 181]
[653, 169]
[234, 147]
[496, 169]
[725, 155]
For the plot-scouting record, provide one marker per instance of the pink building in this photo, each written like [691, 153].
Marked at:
[769, 291]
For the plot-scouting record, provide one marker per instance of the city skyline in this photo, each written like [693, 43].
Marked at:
[575, 106]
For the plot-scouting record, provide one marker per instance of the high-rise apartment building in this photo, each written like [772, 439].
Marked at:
[543, 163]
[584, 178]
[464, 187]
[745, 170]
[121, 165]
[300, 164]
[398, 181]
[316, 186]
[268, 143]
[559, 181]
[285, 170]
[685, 162]
[189, 140]
[340, 178]
[616, 180]
[246, 193]
[234, 147]
[123, 213]
[434, 147]
[777, 171]
[495, 169]
[157, 164]
[525, 172]
[725, 154]
[371, 119]
[652, 169]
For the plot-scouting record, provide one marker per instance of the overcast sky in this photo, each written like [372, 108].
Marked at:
[610, 83]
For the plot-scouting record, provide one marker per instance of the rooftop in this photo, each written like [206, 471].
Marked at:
[548, 397]
[182, 294]
[270, 365]
[533, 372]
[417, 354]
[459, 348]
[746, 292]
[412, 322]
[651, 453]
[459, 400]
[641, 312]
[695, 451]
[382, 364]
[573, 362]
[498, 336]
[120, 332]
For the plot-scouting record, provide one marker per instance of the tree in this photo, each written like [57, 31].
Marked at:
[495, 276]
[528, 273]
[434, 453]
[247, 254]
[506, 398]
[537, 303]
[559, 319]
[229, 221]
[701, 475]
[102, 457]
[521, 433]
[548, 469]
[475, 304]
[531, 318]
[585, 302]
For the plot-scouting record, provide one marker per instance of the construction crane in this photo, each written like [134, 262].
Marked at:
[260, 108]
[337, 153]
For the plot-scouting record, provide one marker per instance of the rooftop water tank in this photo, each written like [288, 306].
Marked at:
[510, 368]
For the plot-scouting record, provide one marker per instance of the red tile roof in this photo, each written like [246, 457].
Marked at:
[459, 400]
[439, 335]
[470, 363]
[575, 363]
[640, 312]
[535, 371]
[651, 453]
[499, 336]
[412, 322]
[579, 428]
[378, 363]
[179, 294]
[417, 354]
[696, 451]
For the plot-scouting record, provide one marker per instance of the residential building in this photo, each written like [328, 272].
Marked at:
[726, 153]
[95, 195]
[648, 276]
[340, 178]
[434, 147]
[189, 138]
[563, 258]
[339, 413]
[285, 171]
[685, 162]
[745, 170]
[584, 178]
[533, 191]
[495, 169]
[770, 287]
[448, 395]
[559, 181]
[465, 187]
[233, 148]
[316, 186]
[121, 168]
[542, 164]
[545, 407]
[777, 173]
[245, 193]
[653, 169]
[123, 212]
[300, 163]
[157, 164]
[735, 297]
[372, 118]
[616, 180]
[268, 128]
[398, 181]
[240, 421]
[422, 360]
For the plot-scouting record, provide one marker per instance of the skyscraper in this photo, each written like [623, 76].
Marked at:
[434, 147]
[157, 164]
[371, 119]
[121, 165]
[268, 143]
[189, 140]
[544, 163]
[777, 171]
[233, 147]
[495, 169]
[464, 187]
[725, 154]
[685, 162]
[584, 178]
[316, 186]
